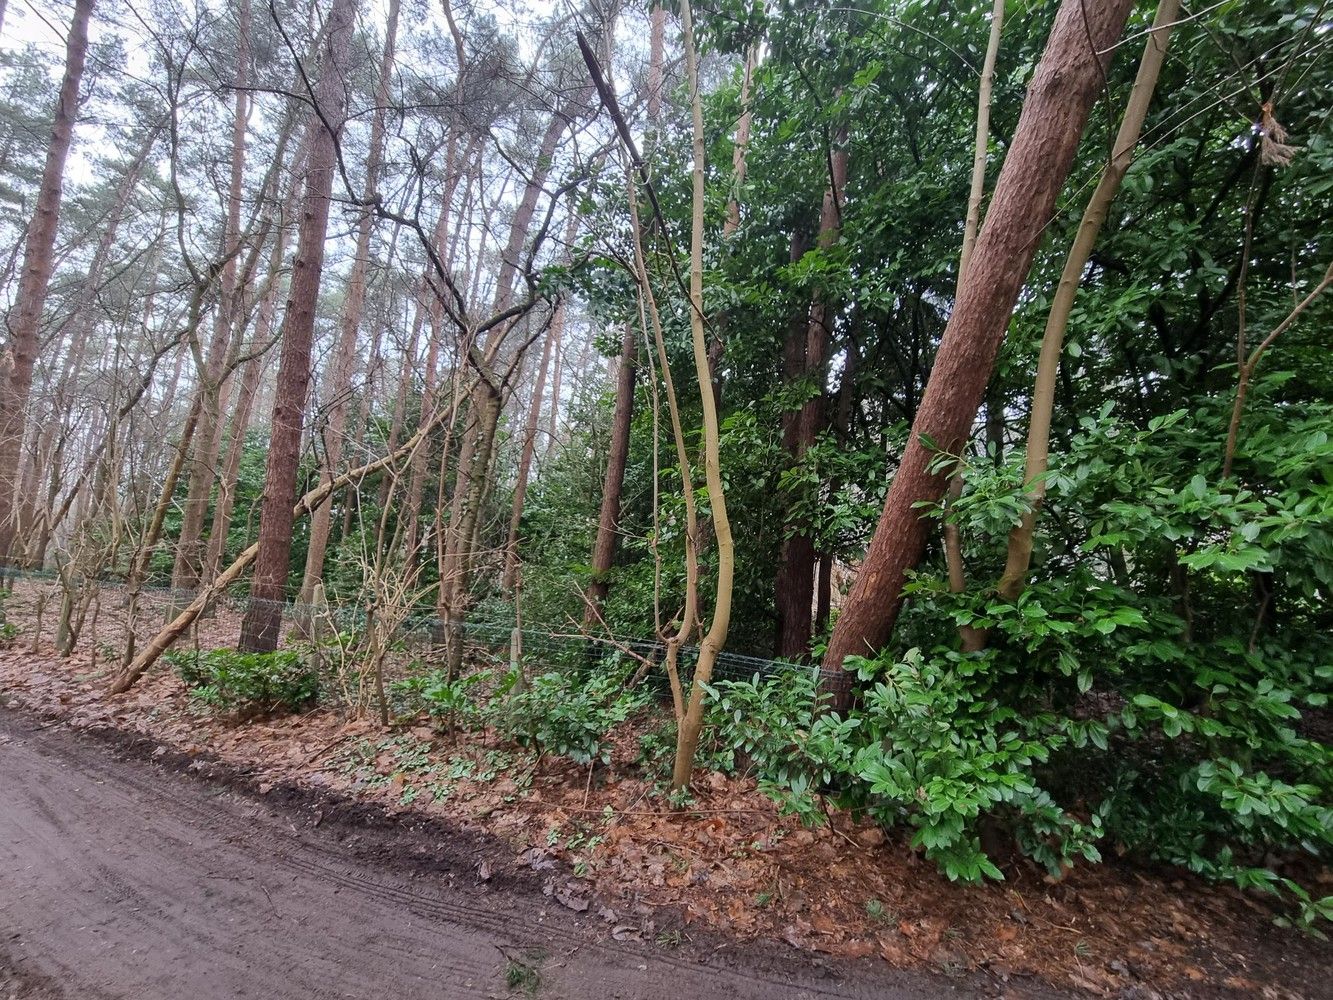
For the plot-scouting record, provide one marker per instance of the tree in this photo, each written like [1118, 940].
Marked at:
[38, 263]
[607, 539]
[263, 619]
[796, 571]
[1053, 337]
[690, 723]
[353, 307]
[215, 370]
[1065, 85]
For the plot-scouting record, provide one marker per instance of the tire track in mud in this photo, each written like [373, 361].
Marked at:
[121, 878]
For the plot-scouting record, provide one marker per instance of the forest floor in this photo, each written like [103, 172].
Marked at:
[148, 850]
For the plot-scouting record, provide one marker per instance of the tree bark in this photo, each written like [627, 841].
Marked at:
[608, 517]
[972, 639]
[796, 569]
[208, 441]
[263, 619]
[33, 524]
[510, 578]
[484, 404]
[38, 263]
[353, 307]
[456, 574]
[691, 723]
[1071, 75]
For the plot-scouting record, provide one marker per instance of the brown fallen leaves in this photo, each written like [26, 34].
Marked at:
[731, 863]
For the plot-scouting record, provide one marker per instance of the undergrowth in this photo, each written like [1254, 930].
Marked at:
[227, 681]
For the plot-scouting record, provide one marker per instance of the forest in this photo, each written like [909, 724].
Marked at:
[913, 417]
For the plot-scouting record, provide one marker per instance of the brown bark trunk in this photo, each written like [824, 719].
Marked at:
[144, 553]
[263, 619]
[477, 450]
[510, 579]
[38, 525]
[796, 570]
[456, 580]
[407, 364]
[432, 309]
[608, 518]
[208, 441]
[791, 590]
[416, 484]
[353, 306]
[553, 418]
[1071, 74]
[203, 475]
[38, 262]
[251, 378]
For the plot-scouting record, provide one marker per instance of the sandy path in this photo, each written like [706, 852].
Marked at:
[120, 878]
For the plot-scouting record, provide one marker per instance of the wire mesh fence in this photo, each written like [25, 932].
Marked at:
[110, 620]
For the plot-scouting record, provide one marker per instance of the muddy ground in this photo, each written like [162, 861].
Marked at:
[519, 842]
[127, 870]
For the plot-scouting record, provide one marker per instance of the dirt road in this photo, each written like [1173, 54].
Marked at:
[125, 877]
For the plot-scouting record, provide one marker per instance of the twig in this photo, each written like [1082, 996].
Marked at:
[325, 748]
[686, 813]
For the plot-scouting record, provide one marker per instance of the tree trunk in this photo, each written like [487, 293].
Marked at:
[190, 552]
[553, 418]
[510, 579]
[485, 401]
[796, 570]
[1053, 339]
[38, 262]
[972, 639]
[263, 619]
[691, 724]
[251, 377]
[33, 524]
[353, 306]
[1071, 75]
[608, 518]
[456, 578]
[407, 364]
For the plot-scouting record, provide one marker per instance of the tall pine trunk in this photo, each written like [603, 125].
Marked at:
[608, 518]
[1071, 75]
[510, 578]
[208, 440]
[38, 262]
[263, 619]
[344, 360]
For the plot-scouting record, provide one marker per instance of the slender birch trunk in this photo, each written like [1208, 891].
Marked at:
[1019, 556]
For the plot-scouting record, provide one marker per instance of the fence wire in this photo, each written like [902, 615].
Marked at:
[105, 617]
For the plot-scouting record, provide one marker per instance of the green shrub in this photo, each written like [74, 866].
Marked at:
[247, 684]
[455, 702]
[569, 715]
